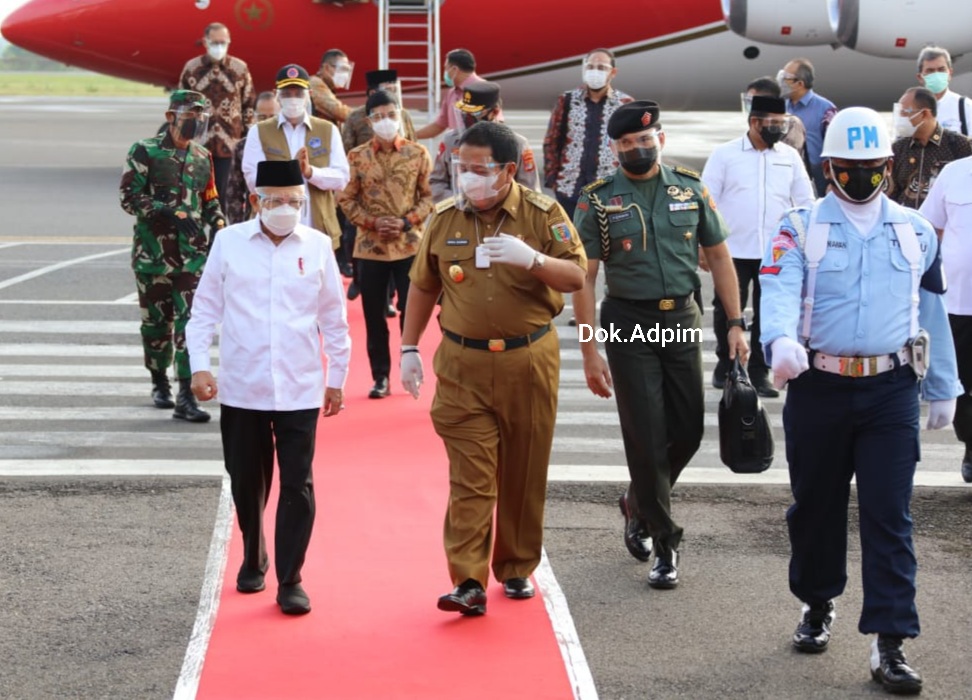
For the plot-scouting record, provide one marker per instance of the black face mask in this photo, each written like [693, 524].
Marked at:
[187, 129]
[771, 134]
[638, 161]
[859, 184]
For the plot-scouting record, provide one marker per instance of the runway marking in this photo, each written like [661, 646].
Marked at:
[34, 302]
[110, 467]
[57, 266]
[188, 684]
[65, 240]
[575, 662]
[9, 245]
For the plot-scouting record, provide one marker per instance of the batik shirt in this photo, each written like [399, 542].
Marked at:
[916, 166]
[230, 99]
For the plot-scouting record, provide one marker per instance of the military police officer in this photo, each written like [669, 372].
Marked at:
[646, 223]
[168, 185]
[847, 286]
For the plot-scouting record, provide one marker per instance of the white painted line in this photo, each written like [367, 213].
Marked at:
[110, 467]
[112, 371]
[120, 413]
[69, 350]
[176, 437]
[57, 266]
[73, 327]
[9, 245]
[188, 684]
[130, 299]
[575, 662]
[54, 302]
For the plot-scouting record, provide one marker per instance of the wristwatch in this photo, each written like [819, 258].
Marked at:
[538, 261]
[408, 224]
[736, 323]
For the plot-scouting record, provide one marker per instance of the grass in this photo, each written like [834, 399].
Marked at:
[73, 84]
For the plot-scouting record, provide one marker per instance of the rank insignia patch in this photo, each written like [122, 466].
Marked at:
[561, 232]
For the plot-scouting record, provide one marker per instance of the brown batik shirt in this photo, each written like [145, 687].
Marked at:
[229, 95]
[916, 165]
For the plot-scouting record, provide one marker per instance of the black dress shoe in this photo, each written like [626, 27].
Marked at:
[380, 390]
[250, 581]
[353, 291]
[719, 374]
[347, 270]
[636, 537]
[664, 572]
[293, 600]
[890, 669]
[967, 466]
[764, 387]
[468, 598]
[391, 311]
[518, 588]
[813, 633]
[572, 321]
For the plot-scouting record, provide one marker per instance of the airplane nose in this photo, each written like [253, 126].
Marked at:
[42, 26]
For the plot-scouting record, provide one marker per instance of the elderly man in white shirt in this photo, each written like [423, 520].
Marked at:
[935, 73]
[315, 143]
[274, 285]
[754, 179]
[948, 208]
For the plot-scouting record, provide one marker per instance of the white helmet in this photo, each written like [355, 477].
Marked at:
[857, 133]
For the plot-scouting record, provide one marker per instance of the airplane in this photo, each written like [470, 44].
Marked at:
[691, 54]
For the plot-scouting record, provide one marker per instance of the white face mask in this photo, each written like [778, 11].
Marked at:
[292, 107]
[342, 76]
[903, 128]
[217, 52]
[478, 188]
[282, 220]
[595, 79]
[386, 129]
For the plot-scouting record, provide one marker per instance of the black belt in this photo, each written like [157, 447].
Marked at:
[676, 304]
[498, 344]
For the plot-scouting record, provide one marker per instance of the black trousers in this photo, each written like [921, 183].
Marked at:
[345, 254]
[250, 439]
[661, 404]
[221, 173]
[747, 271]
[962, 336]
[374, 279]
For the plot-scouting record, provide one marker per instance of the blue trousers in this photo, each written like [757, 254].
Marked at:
[843, 427]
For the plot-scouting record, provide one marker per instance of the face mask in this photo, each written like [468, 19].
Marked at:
[341, 77]
[937, 82]
[595, 79]
[448, 80]
[217, 52]
[292, 107]
[187, 129]
[771, 134]
[638, 161]
[786, 89]
[903, 128]
[282, 220]
[478, 188]
[859, 184]
[386, 129]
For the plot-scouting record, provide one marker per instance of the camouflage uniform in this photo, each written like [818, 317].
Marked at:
[158, 183]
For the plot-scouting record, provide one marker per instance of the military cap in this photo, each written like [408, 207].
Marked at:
[633, 117]
[377, 78]
[186, 99]
[764, 104]
[479, 96]
[292, 75]
[278, 173]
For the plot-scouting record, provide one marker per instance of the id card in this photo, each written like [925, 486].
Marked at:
[482, 260]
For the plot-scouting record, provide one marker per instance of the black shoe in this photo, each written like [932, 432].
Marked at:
[293, 600]
[468, 598]
[161, 391]
[380, 390]
[391, 311]
[636, 537]
[186, 407]
[890, 668]
[518, 588]
[250, 581]
[764, 387]
[967, 466]
[572, 321]
[353, 291]
[813, 633]
[719, 374]
[347, 270]
[664, 572]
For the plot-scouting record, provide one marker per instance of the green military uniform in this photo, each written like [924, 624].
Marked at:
[172, 194]
[498, 371]
[647, 233]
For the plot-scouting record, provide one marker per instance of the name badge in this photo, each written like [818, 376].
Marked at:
[457, 241]
[482, 260]
[615, 218]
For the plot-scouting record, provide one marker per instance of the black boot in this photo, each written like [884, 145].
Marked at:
[161, 391]
[186, 407]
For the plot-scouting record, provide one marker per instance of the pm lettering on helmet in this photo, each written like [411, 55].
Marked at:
[867, 136]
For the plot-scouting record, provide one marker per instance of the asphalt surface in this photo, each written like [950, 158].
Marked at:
[100, 575]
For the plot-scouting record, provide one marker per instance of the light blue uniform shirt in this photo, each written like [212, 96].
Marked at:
[862, 300]
[815, 112]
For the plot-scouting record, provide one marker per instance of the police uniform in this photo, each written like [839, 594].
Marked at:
[648, 233]
[160, 185]
[498, 370]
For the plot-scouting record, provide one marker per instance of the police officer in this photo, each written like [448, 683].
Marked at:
[646, 222]
[846, 286]
[169, 186]
[480, 102]
[499, 256]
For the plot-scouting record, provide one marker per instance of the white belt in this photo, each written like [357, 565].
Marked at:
[860, 366]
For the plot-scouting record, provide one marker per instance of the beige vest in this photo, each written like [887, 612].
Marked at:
[322, 206]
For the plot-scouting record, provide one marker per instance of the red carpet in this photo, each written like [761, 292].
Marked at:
[374, 570]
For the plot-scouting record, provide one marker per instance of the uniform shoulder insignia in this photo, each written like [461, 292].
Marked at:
[445, 205]
[688, 172]
[539, 199]
[597, 183]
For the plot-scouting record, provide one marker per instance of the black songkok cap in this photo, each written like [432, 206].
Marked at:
[278, 173]
[292, 75]
[377, 78]
[633, 117]
[764, 104]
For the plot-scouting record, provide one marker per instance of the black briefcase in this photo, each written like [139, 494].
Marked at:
[745, 438]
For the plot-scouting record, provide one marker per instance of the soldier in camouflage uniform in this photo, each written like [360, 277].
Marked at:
[168, 185]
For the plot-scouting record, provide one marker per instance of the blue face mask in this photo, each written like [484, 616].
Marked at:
[448, 80]
[937, 82]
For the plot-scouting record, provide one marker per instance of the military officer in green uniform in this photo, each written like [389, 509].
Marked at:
[168, 185]
[646, 223]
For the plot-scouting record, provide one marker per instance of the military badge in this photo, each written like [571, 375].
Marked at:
[782, 243]
[456, 273]
[314, 142]
[687, 235]
[626, 244]
[673, 190]
[615, 201]
[646, 119]
[561, 232]
[680, 195]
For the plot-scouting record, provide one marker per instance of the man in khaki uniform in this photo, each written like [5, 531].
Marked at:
[499, 255]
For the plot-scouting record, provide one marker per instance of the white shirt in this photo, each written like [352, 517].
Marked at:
[949, 208]
[274, 303]
[753, 189]
[334, 177]
[948, 112]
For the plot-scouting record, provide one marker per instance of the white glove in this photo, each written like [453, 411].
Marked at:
[940, 413]
[509, 249]
[410, 370]
[789, 360]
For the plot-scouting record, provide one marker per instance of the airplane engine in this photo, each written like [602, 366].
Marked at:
[785, 22]
[901, 28]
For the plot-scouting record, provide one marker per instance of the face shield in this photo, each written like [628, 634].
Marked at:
[902, 118]
[772, 127]
[192, 124]
[476, 184]
[746, 102]
[393, 88]
[343, 71]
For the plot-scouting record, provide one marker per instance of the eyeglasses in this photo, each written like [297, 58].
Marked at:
[272, 202]
[378, 116]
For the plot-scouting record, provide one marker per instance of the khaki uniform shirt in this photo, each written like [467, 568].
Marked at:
[502, 301]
